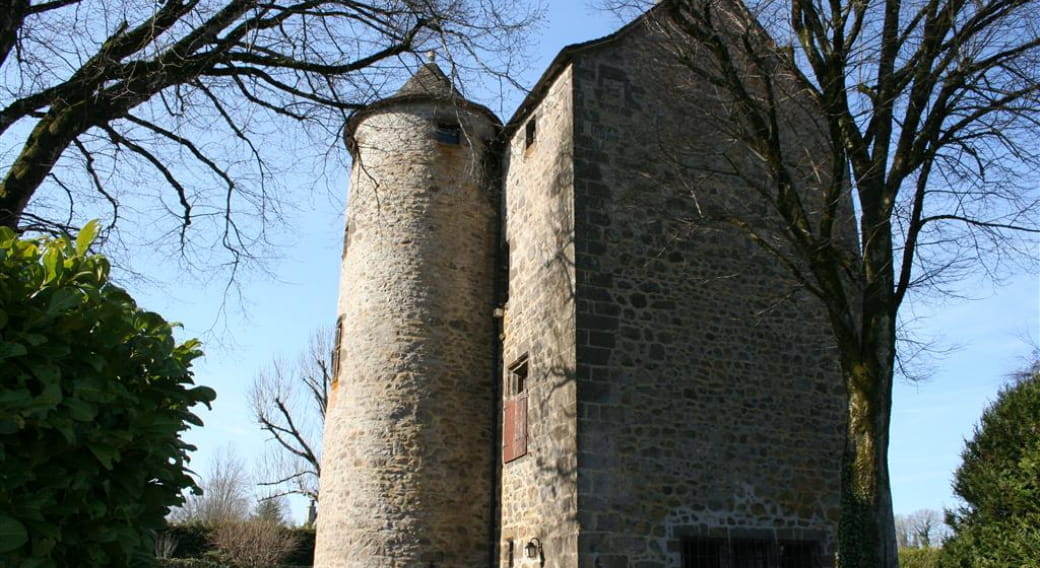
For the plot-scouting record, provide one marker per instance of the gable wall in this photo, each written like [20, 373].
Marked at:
[709, 399]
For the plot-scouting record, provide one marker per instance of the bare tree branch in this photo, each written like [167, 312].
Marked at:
[289, 403]
[206, 72]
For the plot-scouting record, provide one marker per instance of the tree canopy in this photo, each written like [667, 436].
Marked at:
[170, 117]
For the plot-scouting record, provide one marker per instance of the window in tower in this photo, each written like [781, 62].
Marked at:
[514, 412]
[448, 133]
[529, 132]
[337, 350]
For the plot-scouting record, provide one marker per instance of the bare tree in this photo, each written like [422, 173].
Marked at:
[225, 496]
[289, 402]
[921, 529]
[254, 543]
[928, 112]
[165, 113]
[904, 533]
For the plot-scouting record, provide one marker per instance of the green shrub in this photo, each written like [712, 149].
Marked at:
[999, 483]
[195, 541]
[919, 557]
[304, 553]
[95, 393]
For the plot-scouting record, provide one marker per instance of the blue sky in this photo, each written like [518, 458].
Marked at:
[278, 311]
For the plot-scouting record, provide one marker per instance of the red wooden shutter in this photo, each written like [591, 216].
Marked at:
[520, 429]
[514, 428]
[508, 427]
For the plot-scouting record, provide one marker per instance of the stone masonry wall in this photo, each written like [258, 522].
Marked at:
[538, 494]
[408, 457]
[709, 398]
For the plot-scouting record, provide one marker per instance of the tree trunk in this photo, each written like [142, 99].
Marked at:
[52, 134]
[10, 21]
[866, 531]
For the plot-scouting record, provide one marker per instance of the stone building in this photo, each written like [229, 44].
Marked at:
[554, 351]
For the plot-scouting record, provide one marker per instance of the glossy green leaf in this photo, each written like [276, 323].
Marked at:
[15, 397]
[104, 454]
[53, 264]
[48, 373]
[7, 426]
[63, 299]
[86, 236]
[33, 339]
[10, 349]
[12, 534]
[80, 410]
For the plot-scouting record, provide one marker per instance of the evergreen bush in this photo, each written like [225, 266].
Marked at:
[999, 483]
[919, 557]
[95, 394]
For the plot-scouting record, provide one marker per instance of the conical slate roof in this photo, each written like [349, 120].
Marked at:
[429, 80]
[428, 85]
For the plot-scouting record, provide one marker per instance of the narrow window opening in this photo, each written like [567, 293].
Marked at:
[519, 375]
[505, 275]
[337, 350]
[448, 133]
[529, 132]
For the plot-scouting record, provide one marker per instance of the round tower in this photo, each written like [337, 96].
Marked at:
[408, 459]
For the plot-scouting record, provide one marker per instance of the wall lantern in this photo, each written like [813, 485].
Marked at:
[533, 549]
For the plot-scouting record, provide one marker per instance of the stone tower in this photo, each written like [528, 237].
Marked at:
[408, 452]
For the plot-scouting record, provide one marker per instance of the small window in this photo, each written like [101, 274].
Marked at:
[797, 554]
[529, 132]
[747, 553]
[337, 350]
[514, 412]
[518, 376]
[448, 133]
[702, 553]
[504, 268]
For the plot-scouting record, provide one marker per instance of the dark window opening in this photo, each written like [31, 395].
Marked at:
[797, 554]
[514, 412]
[518, 376]
[529, 132]
[702, 553]
[448, 133]
[505, 273]
[337, 350]
[752, 554]
[747, 553]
